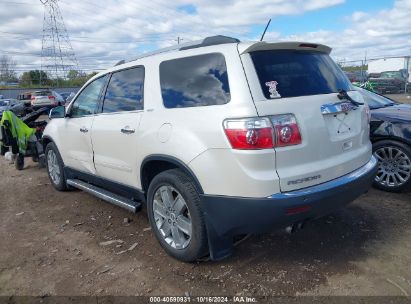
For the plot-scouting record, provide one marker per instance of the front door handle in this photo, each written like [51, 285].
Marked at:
[127, 130]
[83, 130]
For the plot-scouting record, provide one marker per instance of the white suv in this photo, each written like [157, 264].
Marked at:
[46, 98]
[218, 138]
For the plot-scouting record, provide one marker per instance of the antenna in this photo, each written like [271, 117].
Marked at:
[57, 55]
[268, 24]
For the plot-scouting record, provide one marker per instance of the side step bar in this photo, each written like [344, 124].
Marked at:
[105, 195]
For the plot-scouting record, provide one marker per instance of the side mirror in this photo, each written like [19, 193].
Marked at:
[57, 112]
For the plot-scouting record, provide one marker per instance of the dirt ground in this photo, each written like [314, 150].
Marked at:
[53, 243]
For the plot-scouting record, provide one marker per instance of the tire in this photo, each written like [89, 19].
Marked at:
[19, 162]
[180, 229]
[42, 161]
[3, 149]
[394, 168]
[55, 167]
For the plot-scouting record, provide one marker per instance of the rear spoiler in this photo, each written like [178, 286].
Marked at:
[248, 47]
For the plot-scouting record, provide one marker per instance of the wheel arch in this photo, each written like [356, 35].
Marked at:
[157, 163]
[45, 140]
[391, 138]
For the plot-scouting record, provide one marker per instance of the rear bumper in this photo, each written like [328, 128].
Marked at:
[230, 216]
[39, 106]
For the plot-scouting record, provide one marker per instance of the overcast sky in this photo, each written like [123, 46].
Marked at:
[103, 32]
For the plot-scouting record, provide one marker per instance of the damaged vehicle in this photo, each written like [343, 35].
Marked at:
[218, 138]
[389, 82]
[391, 138]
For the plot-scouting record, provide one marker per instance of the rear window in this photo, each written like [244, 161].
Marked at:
[375, 101]
[288, 73]
[42, 93]
[391, 75]
[194, 81]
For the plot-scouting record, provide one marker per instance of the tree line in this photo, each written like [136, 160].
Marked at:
[37, 78]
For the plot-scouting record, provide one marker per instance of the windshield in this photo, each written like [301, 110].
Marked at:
[42, 93]
[391, 75]
[375, 101]
[289, 73]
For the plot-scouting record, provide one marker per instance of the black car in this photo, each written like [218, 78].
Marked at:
[391, 138]
[16, 106]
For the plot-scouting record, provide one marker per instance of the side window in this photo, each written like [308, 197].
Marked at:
[125, 91]
[194, 81]
[86, 102]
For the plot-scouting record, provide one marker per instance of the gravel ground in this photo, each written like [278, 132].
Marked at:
[70, 243]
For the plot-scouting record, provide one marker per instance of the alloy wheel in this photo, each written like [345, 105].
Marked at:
[53, 167]
[172, 217]
[394, 166]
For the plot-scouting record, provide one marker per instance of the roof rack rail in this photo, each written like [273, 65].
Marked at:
[208, 41]
[212, 40]
[120, 62]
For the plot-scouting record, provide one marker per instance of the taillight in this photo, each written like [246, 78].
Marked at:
[52, 97]
[249, 133]
[262, 133]
[286, 129]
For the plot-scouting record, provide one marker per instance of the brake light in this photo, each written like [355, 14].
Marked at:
[51, 97]
[262, 133]
[308, 45]
[286, 129]
[249, 133]
[297, 210]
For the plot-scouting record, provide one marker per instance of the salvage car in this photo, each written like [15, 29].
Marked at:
[218, 138]
[389, 82]
[391, 138]
[46, 98]
[17, 107]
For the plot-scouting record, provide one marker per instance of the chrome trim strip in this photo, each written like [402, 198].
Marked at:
[102, 194]
[330, 184]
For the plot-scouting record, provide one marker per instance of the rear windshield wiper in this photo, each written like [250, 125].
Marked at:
[342, 94]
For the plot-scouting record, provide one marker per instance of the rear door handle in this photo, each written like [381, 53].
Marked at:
[83, 130]
[127, 130]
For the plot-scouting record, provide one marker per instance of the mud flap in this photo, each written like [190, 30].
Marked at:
[220, 247]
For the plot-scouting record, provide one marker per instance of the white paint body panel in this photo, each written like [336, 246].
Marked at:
[74, 146]
[114, 151]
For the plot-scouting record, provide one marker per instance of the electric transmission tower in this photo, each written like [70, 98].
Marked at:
[57, 55]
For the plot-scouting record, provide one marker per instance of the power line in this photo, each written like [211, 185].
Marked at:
[57, 54]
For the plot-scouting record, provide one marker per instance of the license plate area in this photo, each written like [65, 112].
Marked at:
[340, 119]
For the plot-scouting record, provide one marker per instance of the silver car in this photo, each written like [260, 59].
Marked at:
[46, 98]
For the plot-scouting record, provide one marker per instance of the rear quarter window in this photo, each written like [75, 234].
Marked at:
[194, 81]
[289, 73]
